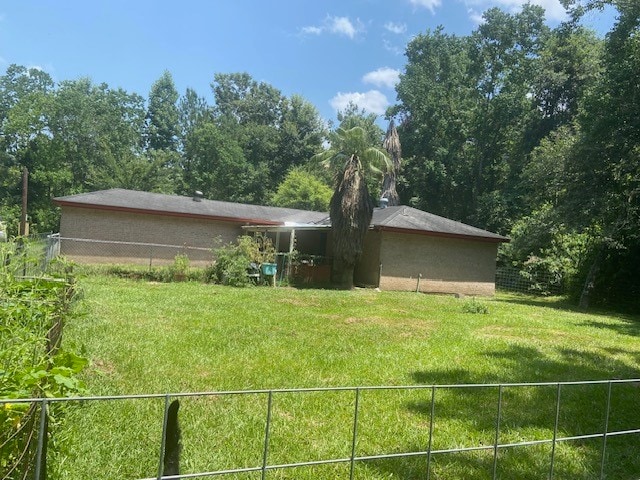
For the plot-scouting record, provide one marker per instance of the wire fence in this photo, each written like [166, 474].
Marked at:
[534, 283]
[505, 436]
[83, 250]
[89, 251]
[31, 256]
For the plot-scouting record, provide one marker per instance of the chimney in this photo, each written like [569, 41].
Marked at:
[383, 202]
[197, 196]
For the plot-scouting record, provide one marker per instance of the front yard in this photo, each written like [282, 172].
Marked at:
[188, 337]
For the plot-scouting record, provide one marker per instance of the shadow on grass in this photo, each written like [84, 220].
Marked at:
[627, 326]
[467, 417]
[567, 305]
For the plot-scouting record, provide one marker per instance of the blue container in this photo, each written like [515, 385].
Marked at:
[269, 268]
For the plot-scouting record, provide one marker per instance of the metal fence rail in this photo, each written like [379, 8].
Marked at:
[84, 250]
[354, 458]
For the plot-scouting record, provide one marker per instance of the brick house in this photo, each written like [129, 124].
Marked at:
[405, 248]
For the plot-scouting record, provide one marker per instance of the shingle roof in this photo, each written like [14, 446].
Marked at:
[408, 218]
[157, 203]
[399, 218]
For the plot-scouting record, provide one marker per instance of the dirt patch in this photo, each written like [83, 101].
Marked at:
[104, 367]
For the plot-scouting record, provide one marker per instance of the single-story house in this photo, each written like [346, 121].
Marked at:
[405, 248]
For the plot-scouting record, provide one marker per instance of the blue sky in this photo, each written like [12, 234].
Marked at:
[330, 51]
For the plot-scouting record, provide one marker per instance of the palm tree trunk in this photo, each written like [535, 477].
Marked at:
[350, 210]
[341, 275]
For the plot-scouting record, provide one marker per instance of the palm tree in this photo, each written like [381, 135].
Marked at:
[351, 207]
[391, 144]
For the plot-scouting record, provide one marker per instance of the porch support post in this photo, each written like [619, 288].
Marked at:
[292, 242]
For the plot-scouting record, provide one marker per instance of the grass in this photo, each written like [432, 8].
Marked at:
[189, 337]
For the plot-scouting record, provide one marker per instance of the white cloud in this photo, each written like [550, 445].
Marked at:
[312, 30]
[372, 101]
[428, 4]
[383, 77]
[554, 10]
[342, 26]
[397, 28]
[335, 25]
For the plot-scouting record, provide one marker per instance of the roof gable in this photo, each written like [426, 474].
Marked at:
[407, 218]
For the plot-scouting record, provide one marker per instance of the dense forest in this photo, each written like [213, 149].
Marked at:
[519, 128]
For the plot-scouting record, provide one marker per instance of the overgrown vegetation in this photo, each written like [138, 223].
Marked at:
[33, 312]
[232, 261]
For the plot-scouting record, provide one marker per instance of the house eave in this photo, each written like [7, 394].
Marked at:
[428, 233]
[111, 208]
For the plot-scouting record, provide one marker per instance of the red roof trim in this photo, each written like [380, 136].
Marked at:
[254, 221]
[441, 234]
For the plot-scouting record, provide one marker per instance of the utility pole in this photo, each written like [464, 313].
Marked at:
[24, 226]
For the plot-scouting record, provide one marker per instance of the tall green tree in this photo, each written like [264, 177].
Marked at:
[437, 99]
[215, 165]
[193, 110]
[604, 172]
[25, 106]
[275, 133]
[162, 115]
[351, 155]
[301, 189]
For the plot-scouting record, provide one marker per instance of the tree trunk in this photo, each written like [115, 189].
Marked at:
[589, 283]
[342, 275]
[350, 211]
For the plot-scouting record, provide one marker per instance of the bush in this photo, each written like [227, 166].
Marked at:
[475, 306]
[547, 254]
[233, 260]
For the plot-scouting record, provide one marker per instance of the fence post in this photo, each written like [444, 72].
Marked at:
[606, 429]
[265, 452]
[432, 412]
[497, 439]
[41, 452]
[163, 439]
[355, 434]
[555, 431]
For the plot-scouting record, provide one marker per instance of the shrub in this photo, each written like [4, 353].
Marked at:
[180, 268]
[475, 306]
[233, 260]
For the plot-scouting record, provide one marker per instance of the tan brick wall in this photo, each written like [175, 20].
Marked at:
[367, 271]
[446, 265]
[86, 223]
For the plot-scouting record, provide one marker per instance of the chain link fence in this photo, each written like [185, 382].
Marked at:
[89, 251]
[511, 279]
[30, 256]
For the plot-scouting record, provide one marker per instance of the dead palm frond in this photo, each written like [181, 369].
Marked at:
[351, 207]
[391, 144]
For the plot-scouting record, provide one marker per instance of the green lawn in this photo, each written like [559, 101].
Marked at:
[189, 337]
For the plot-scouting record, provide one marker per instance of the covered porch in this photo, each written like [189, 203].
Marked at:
[303, 253]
